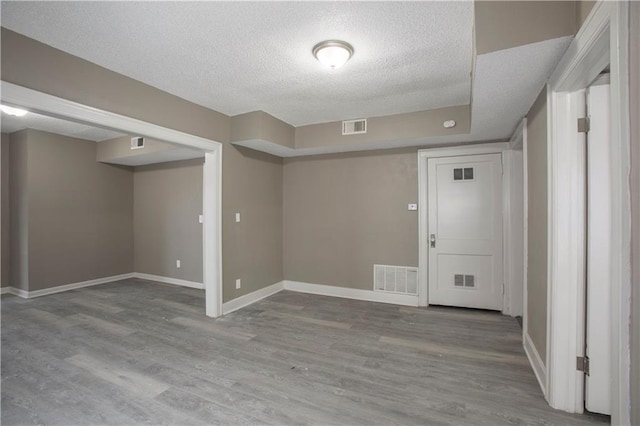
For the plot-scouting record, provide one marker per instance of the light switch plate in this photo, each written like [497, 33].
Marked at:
[237, 217]
[412, 206]
[238, 283]
[201, 218]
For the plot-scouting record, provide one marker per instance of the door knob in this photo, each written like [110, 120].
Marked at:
[433, 240]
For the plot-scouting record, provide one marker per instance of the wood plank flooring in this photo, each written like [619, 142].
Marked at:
[136, 352]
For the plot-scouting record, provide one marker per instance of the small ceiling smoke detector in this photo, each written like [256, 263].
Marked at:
[449, 124]
[333, 53]
[13, 111]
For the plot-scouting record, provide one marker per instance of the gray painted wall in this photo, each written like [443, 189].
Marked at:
[634, 79]
[18, 211]
[504, 24]
[167, 201]
[345, 212]
[537, 228]
[406, 127]
[583, 8]
[253, 247]
[4, 194]
[78, 211]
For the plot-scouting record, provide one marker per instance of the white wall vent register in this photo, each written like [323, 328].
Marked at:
[395, 279]
[354, 127]
[137, 143]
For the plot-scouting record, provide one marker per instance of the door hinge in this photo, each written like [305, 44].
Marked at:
[584, 125]
[582, 364]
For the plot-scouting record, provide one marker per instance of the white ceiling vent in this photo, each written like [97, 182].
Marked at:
[137, 143]
[354, 127]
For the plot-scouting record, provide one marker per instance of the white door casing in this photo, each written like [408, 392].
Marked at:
[602, 41]
[598, 339]
[465, 231]
[423, 196]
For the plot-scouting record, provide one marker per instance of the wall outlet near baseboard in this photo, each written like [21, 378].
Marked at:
[238, 283]
[178, 264]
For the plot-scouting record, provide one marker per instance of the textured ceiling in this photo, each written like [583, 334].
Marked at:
[10, 124]
[236, 57]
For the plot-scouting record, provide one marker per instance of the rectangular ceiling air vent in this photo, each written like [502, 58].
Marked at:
[354, 127]
[137, 143]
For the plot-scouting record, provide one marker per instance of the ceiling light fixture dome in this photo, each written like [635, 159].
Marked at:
[333, 53]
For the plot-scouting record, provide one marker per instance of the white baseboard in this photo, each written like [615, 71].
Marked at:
[536, 362]
[253, 297]
[66, 287]
[5, 290]
[167, 280]
[352, 293]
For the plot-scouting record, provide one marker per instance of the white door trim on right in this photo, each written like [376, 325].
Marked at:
[423, 202]
[603, 40]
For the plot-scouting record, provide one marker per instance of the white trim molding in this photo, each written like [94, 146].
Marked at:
[66, 287]
[352, 293]
[168, 280]
[535, 360]
[603, 40]
[212, 232]
[251, 298]
[423, 207]
[5, 290]
[46, 104]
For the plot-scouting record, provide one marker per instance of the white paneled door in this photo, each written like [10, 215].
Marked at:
[465, 231]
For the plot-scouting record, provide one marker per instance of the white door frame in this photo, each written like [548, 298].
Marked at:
[516, 245]
[43, 103]
[423, 205]
[602, 40]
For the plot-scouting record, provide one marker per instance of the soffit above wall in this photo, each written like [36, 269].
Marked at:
[507, 83]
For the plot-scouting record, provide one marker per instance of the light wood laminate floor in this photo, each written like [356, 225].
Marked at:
[135, 352]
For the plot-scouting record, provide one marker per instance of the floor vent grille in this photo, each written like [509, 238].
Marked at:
[395, 279]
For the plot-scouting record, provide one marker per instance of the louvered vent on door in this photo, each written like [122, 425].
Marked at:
[461, 280]
[395, 279]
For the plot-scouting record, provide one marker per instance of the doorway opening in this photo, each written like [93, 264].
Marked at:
[52, 106]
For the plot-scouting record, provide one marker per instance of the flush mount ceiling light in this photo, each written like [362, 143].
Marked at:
[333, 53]
[13, 111]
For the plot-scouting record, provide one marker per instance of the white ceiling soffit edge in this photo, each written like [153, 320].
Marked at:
[10, 124]
[158, 157]
[284, 152]
[507, 83]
